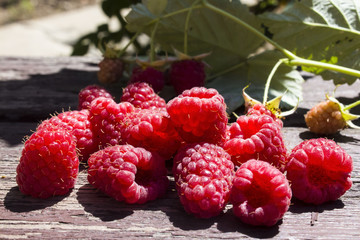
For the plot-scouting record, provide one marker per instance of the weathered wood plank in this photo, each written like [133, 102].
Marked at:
[88, 214]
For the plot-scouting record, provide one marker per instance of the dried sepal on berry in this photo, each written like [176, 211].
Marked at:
[330, 116]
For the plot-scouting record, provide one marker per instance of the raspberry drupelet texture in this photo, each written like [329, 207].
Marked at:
[152, 130]
[49, 164]
[129, 174]
[325, 118]
[186, 74]
[203, 175]
[106, 118]
[142, 95]
[260, 109]
[110, 70]
[199, 115]
[89, 93]
[261, 193]
[78, 124]
[319, 171]
[150, 75]
[256, 137]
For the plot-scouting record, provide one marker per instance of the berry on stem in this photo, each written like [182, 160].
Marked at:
[187, 72]
[111, 67]
[330, 116]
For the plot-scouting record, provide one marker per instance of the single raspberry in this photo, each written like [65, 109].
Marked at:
[142, 95]
[260, 109]
[261, 193]
[319, 171]
[152, 130]
[110, 70]
[129, 174]
[186, 74]
[256, 137]
[330, 116]
[106, 118]
[150, 75]
[78, 124]
[199, 115]
[49, 164]
[89, 93]
[203, 175]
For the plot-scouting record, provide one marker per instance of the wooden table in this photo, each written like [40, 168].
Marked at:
[33, 88]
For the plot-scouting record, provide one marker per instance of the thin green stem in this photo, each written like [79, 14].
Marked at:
[311, 63]
[152, 42]
[130, 42]
[187, 21]
[268, 81]
[347, 107]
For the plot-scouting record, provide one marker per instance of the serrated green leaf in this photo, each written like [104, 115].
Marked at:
[321, 30]
[208, 31]
[286, 79]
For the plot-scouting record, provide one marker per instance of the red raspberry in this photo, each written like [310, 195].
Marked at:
[203, 175]
[256, 137]
[319, 171]
[152, 76]
[141, 95]
[106, 118]
[49, 164]
[261, 193]
[260, 109]
[78, 124]
[152, 130]
[111, 70]
[89, 93]
[199, 114]
[129, 174]
[186, 74]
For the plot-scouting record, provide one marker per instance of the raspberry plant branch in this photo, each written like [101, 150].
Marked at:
[187, 21]
[268, 81]
[152, 42]
[293, 60]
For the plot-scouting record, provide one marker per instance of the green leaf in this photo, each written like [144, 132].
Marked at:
[286, 79]
[230, 45]
[321, 30]
[156, 7]
[208, 31]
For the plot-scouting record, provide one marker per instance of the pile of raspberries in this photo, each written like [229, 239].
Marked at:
[126, 146]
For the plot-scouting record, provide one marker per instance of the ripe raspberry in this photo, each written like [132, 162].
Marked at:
[319, 170]
[203, 175]
[330, 116]
[141, 95]
[78, 124]
[261, 193]
[48, 165]
[106, 118]
[186, 74]
[150, 75]
[256, 137]
[152, 130]
[89, 93]
[111, 70]
[260, 109]
[129, 174]
[199, 115]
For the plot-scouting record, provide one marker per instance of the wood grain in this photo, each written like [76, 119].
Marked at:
[31, 89]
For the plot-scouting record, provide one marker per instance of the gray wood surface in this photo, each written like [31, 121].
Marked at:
[33, 88]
